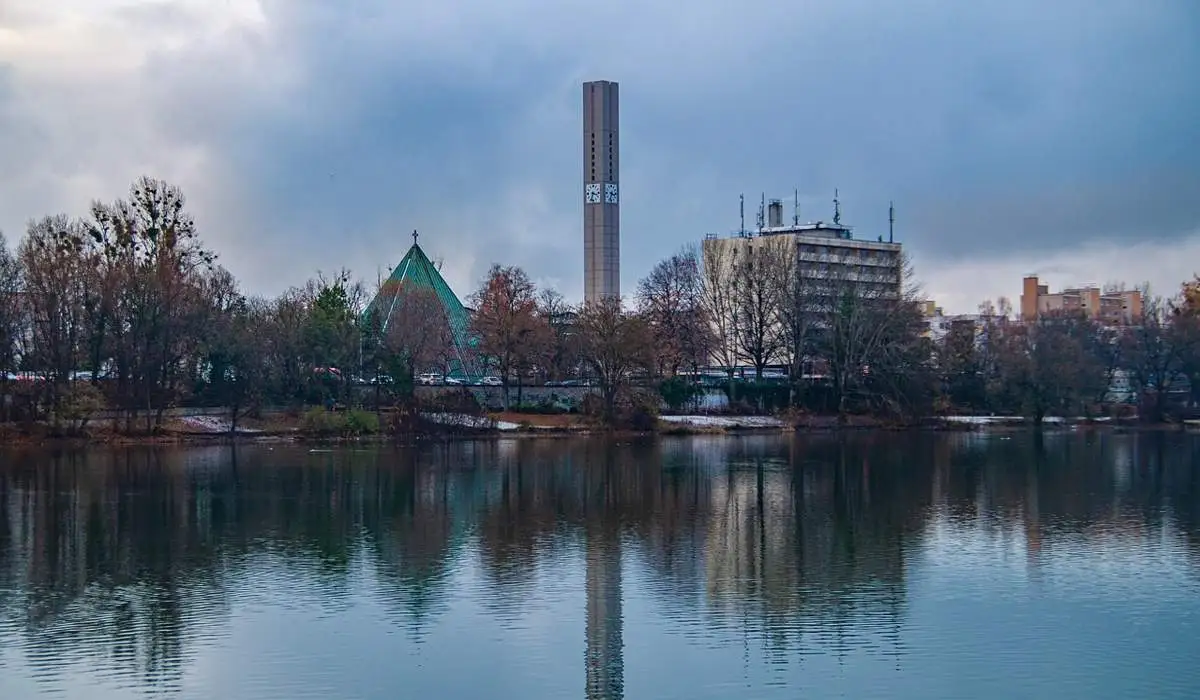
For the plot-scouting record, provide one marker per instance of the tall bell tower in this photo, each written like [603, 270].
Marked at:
[601, 192]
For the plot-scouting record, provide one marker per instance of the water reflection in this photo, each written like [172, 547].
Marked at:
[130, 568]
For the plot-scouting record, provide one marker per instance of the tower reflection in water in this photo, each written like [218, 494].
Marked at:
[604, 661]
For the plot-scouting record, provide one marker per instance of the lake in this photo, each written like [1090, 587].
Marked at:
[864, 566]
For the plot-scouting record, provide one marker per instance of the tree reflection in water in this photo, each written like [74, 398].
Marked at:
[125, 560]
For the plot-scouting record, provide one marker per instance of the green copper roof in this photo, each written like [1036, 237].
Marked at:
[417, 269]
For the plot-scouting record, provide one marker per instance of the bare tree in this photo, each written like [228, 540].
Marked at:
[869, 328]
[1150, 356]
[150, 245]
[11, 321]
[51, 257]
[233, 347]
[285, 347]
[961, 367]
[670, 299]
[758, 283]
[1046, 366]
[417, 335]
[799, 312]
[562, 355]
[1185, 335]
[718, 301]
[505, 320]
[614, 344]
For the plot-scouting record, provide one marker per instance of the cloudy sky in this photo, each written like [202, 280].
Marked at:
[1015, 136]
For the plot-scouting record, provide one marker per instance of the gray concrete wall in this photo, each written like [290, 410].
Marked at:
[492, 397]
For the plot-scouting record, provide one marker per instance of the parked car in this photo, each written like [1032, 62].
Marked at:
[490, 381]
[453, 381]
[429, 378]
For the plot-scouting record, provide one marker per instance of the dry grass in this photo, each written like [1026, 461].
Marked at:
[558, 421]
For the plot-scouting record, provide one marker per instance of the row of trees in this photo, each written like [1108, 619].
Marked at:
[1070, 364]
[126, 308]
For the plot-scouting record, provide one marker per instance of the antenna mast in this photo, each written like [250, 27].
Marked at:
[837, 208]
[795, 207]
[742, 212]
[762, 212]
[891, 220]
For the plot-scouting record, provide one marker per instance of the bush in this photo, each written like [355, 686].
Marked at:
[361, 423]
[324, 423]
[634, 410]
[592, 405]
[678, 392]
[80, 402]
[641, 413]
[753, 396]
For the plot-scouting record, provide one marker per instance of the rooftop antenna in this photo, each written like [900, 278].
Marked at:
[742, 211]
[891, 220]
[837, 208]
[795, 207]
[762, 212]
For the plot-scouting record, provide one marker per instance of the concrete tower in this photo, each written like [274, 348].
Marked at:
[601, 192]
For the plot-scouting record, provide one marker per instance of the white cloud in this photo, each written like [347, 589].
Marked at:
[94, 93]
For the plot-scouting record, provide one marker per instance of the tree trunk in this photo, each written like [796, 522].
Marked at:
[610, 402]
[237, 409]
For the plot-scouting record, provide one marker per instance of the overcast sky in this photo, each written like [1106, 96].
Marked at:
[1015, 136]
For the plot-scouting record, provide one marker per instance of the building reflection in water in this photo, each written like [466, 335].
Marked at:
[129, 560]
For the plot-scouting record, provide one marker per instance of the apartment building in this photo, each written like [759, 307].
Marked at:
[1113, 308]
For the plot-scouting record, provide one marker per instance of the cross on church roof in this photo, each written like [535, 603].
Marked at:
[414, 236]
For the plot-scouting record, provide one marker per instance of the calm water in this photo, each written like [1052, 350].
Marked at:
[952, 566]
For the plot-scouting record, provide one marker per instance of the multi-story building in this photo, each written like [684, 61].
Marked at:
[1190, 296]
[827, 254]
[1114, 308]
[938, 324]
[601, 196]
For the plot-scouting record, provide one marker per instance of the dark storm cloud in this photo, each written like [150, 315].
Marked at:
[1016, 127]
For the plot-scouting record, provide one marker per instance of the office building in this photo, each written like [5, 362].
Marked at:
[826, 254]
[601, 192]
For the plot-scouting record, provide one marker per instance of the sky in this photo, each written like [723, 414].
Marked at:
[1014, 136]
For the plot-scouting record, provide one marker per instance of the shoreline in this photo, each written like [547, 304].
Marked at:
[673, 426]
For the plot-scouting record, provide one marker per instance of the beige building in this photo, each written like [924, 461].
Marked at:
[827, 254]
[1115, 308]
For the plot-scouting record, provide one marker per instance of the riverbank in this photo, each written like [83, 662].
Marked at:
[207, 428]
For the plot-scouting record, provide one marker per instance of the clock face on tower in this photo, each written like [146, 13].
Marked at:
[591, 193]
[610, 193]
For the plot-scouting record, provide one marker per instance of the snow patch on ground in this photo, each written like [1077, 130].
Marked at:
[724, 421]
[997, 420]
[468, 421]
[212, 424]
